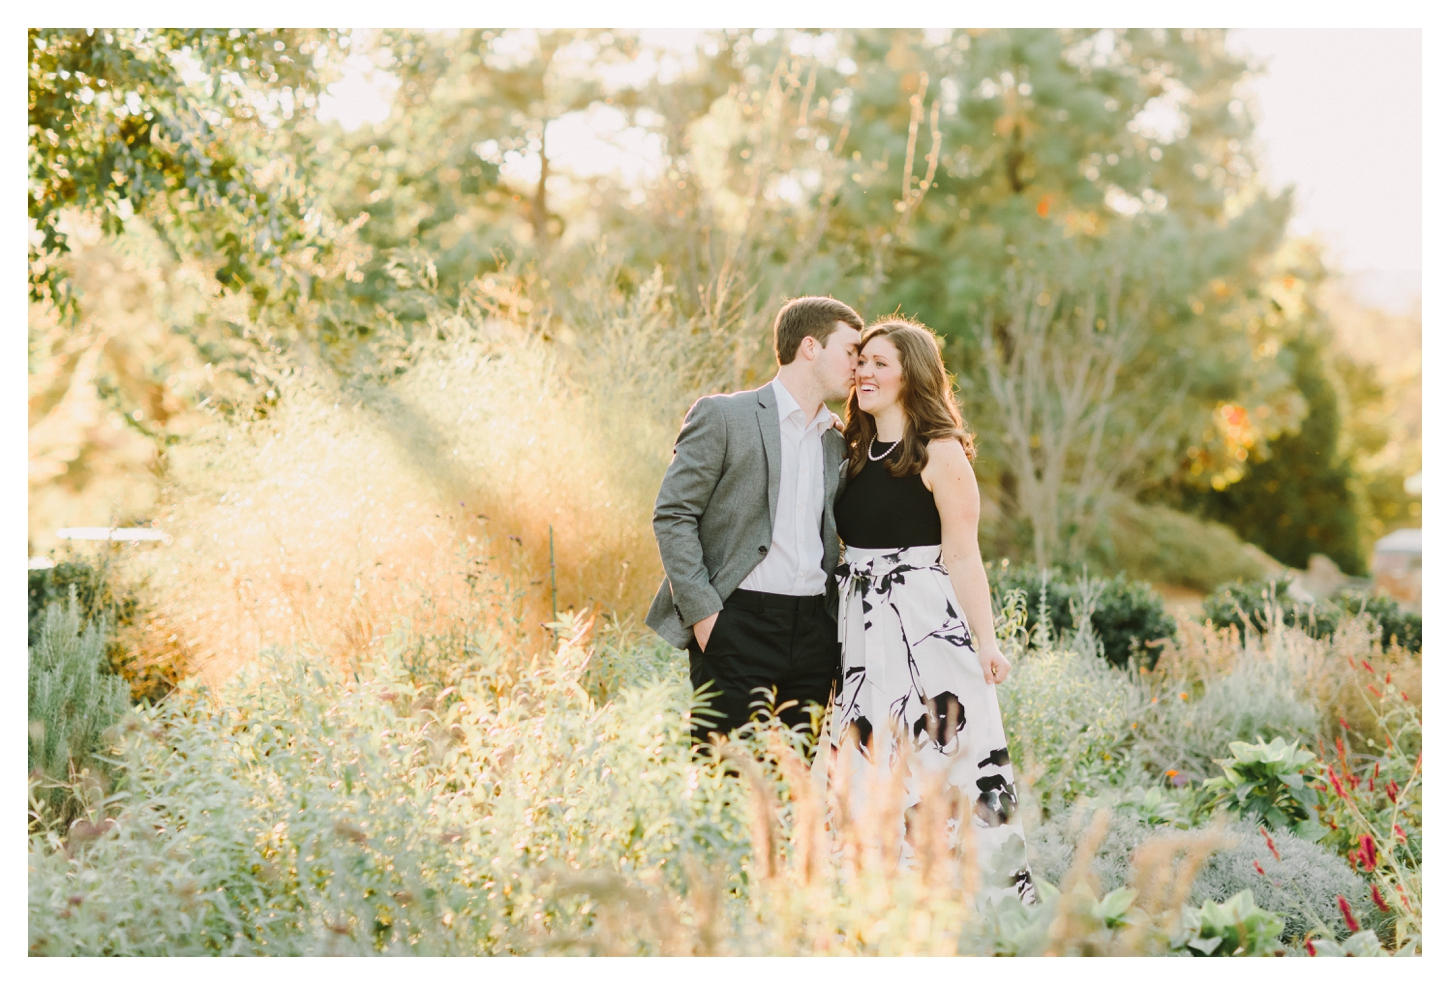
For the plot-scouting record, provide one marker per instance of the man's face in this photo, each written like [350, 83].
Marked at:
[836, 365]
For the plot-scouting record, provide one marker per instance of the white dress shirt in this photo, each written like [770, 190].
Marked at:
[793, 564]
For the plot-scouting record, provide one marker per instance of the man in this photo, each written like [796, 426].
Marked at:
[747, 531]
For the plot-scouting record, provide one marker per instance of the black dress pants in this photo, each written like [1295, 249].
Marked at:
[761, 640]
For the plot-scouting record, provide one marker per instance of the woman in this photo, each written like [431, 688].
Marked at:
[914, 672]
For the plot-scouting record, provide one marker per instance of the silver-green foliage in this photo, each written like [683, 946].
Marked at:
[1300, 885]
[73, 697]
[1068, 714]
[308, 812]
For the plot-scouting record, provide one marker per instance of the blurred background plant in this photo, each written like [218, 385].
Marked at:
[393, 387]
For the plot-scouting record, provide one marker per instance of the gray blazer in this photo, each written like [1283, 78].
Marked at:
[716, 508]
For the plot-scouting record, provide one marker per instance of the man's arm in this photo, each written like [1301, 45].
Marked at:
[685, 492]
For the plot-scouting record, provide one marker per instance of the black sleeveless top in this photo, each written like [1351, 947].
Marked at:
[877, 510]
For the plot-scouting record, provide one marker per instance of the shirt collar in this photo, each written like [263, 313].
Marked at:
[786, 405]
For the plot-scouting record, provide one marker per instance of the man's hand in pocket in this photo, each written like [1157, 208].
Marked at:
[704, 628]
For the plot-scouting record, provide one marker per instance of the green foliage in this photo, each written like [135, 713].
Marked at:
[1128, 617]
[1238, 927]
[1155, 543]
[1261, 602]
[73, 699]
[1300, 499]
[1301, 883]
[87, 582]
[311, 813]
[1395, 622]
[1185, 730]
[117, 129]
[1364, 944]
[1266, 780]
[1068, 717]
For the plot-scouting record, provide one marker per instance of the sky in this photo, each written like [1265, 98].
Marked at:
[1339, 120]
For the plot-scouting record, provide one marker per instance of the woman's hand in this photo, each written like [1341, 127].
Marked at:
[994, 665]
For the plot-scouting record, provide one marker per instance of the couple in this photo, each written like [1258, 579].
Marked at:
[750, 519]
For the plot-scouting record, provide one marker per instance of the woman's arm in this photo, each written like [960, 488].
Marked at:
[949, 477]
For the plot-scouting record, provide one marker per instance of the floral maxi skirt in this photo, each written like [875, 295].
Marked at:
[910, 678]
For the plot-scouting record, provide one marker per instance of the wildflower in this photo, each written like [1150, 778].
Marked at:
[1387, 677]
[1343, 724]
[1404, 696]
[1338, 788]
[1366, 849]
[1153, 702]
[1366, 666]
[1339, 744]
[1400, 833]
[1309, 946]
[1182, 695]
[1376, 769]
[1375, 691]
[1392, 789]
[1270, 842]
[1379, 900]
[1348, 914]
[1171, 773]
[1260, 869]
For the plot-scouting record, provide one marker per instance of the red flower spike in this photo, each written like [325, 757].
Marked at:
[1375, 691]
[1376, 769]
[1338, 788]
[1365, 664]
[1348, 914]
[1339, 744]
[1260, 869]
[1404, 696]
[1351, 663]
[1344, 725]
[1309, 946]
[1366, 850]
[1393, 790]
[1270, 842]
[1371, 785]
[1379, 900]
[1332, 825]
[1400, 833]
[1387, 677]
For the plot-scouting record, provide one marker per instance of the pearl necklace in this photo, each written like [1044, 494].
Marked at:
[877, 458]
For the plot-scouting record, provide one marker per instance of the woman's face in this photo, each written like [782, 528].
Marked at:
[878, 376]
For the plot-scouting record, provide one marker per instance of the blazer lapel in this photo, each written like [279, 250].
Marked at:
[768, 414]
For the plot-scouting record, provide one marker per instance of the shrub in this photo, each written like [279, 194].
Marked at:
[1128, 617]
[1187, 724]
[1158, 544]
[1258, 601]
[1238, 927]
[1266, 781]
[1394, 620]
[1301, 883]
[1300, 879]
[73, 699]
[1068, 718]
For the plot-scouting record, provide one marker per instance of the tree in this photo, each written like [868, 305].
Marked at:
[1299, 498]
[179, 127]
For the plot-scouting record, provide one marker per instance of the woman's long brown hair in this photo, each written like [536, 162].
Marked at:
[926, 396]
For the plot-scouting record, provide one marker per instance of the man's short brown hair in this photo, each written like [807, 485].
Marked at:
[809, 316]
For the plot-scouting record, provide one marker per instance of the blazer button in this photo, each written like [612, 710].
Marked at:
[765, 550]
